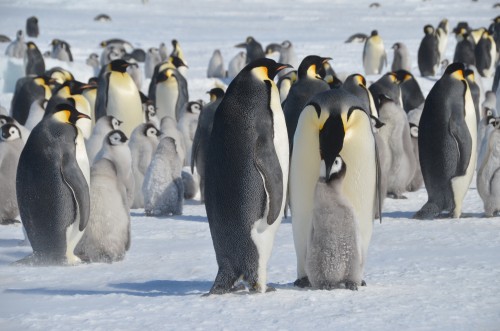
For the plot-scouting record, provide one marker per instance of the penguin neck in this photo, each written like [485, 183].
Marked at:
[121, 157]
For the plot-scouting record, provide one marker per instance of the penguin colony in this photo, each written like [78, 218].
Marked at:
[75, 157]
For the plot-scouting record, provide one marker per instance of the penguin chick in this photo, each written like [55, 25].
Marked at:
[413, 120]
[153, 57]
[107, 236]
[17, 48]
[162, 188]
[401, 59]
[216, 66]
[488, 178]
[103, 126]
[236, 64]
[333, 251]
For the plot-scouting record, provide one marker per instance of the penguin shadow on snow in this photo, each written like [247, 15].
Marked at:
[190, 218]
[154, 288]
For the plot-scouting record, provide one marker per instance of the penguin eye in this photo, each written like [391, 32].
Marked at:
[337, 165]
[12, 132]
[151, 109]
[489, 112]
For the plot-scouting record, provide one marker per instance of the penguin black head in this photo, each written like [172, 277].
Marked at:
[116, 137]
[165, 74]
[119, 65]
[67, 113]
[376, 122]
[174, 43]
[194, 107]
[216, 93]
[269, 66]
[4, 119]
[19, 34]
[337, 171]
[374, 33]
[403, 75]
[177, 62]
[31, 45]
[396, 46]
[497, 19]
[469, 75]
[428, 29]
[151, 131]
[114, 122]
[10, 132]
[455, 67]
[272, 48]
[312, 65]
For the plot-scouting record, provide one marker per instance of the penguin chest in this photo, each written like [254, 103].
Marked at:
[167, 94]
[124, 101]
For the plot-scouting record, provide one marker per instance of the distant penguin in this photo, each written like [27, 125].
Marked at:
[428, 53]
[163, 189]
[374, 56]
[356, 85]
[287, 56]
[253, 48]
[447, 144]
[177, 51]
[247, 174]
[170, 94]
[332, 123]
[163, 52]
[202, 137]
[36, 113]
[52, 192]
[442, 37]
[11, 146]
[61, 50]
[414, 120]
[411, 94]
[308, 84]
[28, 89]
[464, 50]
[149, 110]
[153, 58]
[118, 96]
[102, 18]
[285, 84]
[334, 252]
[401, 59]
[107, 236]
[16, 48]
[187, 126]
[112, 52]
[93, 61]
[103, 126]
[388, 84]
[396, 135]
[236, 64]
[488, 181]
[143, 142]
[33, 60]
[216, 66]
[136, 73]
[356, 38]
[486, 55]
[32, 29]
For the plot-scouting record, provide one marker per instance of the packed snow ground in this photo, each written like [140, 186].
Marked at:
[421, 275]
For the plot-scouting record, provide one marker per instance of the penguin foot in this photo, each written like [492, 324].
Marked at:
[363, 283]
[9, 221]
[302, 282]
[238, 287]
[350, 285]
[428, 212]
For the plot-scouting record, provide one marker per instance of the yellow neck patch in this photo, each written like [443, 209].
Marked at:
[62, 116]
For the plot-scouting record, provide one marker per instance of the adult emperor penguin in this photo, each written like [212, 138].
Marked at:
[253, 48]
[442, 37]
[216, 66]
[107, 236]
[52, 191]
[356, 85]
[332, 123]
[428, 53]
[308, 84]
[447, 143]
[334, 250]
[374, 56]
[33, 60]
[202, 137]
[61, 50]
[464, 50]
[171, 95]
[401, 59]
[28, 89]
[246, 176]
[486, 55]
[11, 146]
[177, 51]
[488, 184]
[411, 94]
[32, 29]
[388, 84]
[118, 96]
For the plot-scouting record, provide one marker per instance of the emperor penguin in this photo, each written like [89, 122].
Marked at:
[135, 72]
[447, 143]
[93, 61]
[253, 48]
[107, 236]
[442, 37]
[52, 191]
[162, 188]
[104, 125]
[356, 38]
[171, 95]
[396, 135]
[401, 59]
[36, 113]
[428, 53]
[72, 90]
[216, 66]
[11, 146]
[388, 85]
[177, 50]
[486, 55]
[237, 63]
[332, 123]
[464, 50]
[285, 84]
[33, 60]
[32, 29]
[118, 96]
[143, 143]
[163, 52]
[168, 128]
[488, 181]
[187, 126]
[246, 176]
[309, 83]
[334, 248]
[356, 85]
[374, 56]
[4, 119]
[414, 120]
[411, 93]
[17, 48]
[28, 89]
[153, 58]
[202, 137]
[61, 50]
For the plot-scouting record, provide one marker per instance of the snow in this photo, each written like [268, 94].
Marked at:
[421, 275]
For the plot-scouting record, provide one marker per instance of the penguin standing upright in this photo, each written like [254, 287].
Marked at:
[216, 66]
[356, 85]
[11, 146]
[253, 48]
[287, 56]
[104, 125]
[488, 184]
[428, 53]
[285, 84]
[32, 29]
[402, 59]
[153, 58]
[177, 51]
[247, 171]
[464, 50]
[28, 89]
[187, 126]
[332, 123]
[163, 52]
[308, 84]
[374, 56]
[442, 37]
[52, 191]
[17, 47]
[171, 93]
[237, 63]
[447, 143]
[118, 96]
[486, 55]
[388, 84]
[33, 60]
[107, 236]
[61, 50]
[202, 137]
[334, 251]
[411, 94]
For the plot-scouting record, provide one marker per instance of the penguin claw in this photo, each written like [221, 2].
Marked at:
[350, 285]
[363, 283]
[302, 282]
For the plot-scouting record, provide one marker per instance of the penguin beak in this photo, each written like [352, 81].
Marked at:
[81, 115]
[326, 59]
[331, 140]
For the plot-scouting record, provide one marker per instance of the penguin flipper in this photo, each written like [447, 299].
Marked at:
[460, 132]
[268, 165]
[73, 177]
[101, 101]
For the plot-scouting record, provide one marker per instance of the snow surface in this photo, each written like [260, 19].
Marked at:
[421, 275]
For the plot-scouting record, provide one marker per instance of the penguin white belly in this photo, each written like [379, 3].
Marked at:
[91, 96]
[35, 116]
[284, 89]
[81, 156]
[373, 58]
[460, 185]
[493, 53]
[124, 102]
[167, 94]
[83, 106]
